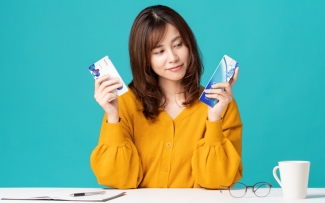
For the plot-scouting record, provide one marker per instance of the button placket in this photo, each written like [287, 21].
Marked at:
[166, 156]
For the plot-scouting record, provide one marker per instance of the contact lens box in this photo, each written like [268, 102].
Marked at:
[223, 73]
[105, 67]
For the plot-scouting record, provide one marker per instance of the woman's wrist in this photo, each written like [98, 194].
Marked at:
[113, 118]
[212, 117]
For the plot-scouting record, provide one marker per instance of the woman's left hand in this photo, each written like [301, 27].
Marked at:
[223, 92]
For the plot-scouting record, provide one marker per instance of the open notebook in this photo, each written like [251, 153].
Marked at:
[65, 195]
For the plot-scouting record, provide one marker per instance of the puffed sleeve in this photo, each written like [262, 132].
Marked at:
[115, 160]
[216, 158]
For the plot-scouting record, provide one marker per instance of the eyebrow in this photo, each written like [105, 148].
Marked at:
[173, 40]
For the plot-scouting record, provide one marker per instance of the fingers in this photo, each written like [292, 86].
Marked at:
[104, 89]
[111, 84]
[107, 94]
[100, 80]
[219, 94]
[225, 86]
[221, 91]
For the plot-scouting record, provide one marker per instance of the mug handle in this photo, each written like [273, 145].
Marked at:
[276, 176]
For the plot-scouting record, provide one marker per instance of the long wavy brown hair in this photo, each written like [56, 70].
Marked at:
[147, 31]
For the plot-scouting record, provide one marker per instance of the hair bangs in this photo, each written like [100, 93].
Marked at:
[156, 34]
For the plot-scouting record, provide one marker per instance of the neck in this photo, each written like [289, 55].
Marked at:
[172, 91]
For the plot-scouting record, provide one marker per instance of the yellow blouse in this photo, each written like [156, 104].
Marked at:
[186, 152]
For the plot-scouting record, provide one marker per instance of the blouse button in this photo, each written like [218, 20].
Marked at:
[168, 144]
[165, 168]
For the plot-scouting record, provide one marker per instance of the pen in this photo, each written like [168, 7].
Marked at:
[87, 193]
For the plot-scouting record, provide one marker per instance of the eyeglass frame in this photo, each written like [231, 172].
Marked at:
[246, 187]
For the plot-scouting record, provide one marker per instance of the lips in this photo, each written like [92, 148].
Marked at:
[176, 68]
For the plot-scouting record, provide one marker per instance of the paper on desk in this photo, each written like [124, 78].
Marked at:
[64, 195]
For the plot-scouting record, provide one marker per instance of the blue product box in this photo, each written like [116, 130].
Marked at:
[223, 73]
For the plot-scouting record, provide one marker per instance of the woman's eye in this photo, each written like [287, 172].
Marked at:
[179, 44]
[159, 52]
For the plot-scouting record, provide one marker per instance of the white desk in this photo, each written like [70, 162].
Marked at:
[316, 195]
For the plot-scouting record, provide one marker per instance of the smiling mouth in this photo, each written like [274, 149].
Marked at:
[176, 68]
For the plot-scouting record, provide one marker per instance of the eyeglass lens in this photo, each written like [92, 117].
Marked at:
[237, 190]
[260, 189]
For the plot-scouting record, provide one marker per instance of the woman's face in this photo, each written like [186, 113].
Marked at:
[170, 58]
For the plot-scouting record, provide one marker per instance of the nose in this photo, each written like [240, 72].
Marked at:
[172, 56]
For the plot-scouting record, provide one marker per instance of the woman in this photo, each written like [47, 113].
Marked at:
[159, 134]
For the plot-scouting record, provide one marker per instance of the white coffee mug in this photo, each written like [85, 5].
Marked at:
[294, 178]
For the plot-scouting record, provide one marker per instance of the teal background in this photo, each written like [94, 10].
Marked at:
[49, 120]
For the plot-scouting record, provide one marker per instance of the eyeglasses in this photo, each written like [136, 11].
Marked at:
[237, 190]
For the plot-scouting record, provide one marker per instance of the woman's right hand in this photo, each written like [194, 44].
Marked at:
[104, 88]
